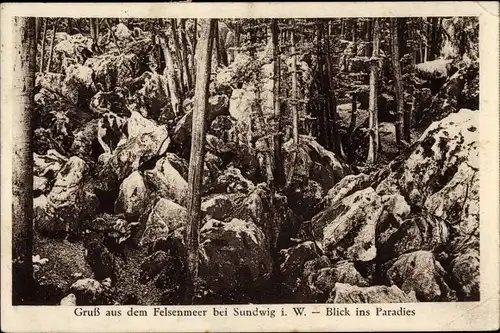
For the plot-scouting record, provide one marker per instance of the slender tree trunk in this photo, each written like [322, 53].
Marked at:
[237, 34]
[355, 35]
[295, 112]
[94, 26]
[398, 80]
[373, 109]
[413, 45]
[22, 171]
[217, 45]
[434, 48]
[369, 28]
[115, 40]
[169, 73]
[342, 27]
[52, 42]
[42, 53]
[197, 158]
[193, 51]
[185, 59]
[332, 102]
[279, 171]
[268, 142]
[178, 57]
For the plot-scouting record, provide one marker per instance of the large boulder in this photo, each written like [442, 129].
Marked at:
[167, 182]
[461, 90]
[235, 262]
[347, 229]
[165, 217]
[420, 273]
[133, 197]
[89, 292]
[347, 186]
[443, 149]
[129, 157]
[112, 71]
[69, 202]
[292, 261]
[345, 293]
[313, 162]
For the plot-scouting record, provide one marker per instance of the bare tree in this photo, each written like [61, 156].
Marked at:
[373, 110]
[398, 80]
[279, 170]
[42, 52]
[52, 42]
[295, 112]
[185, 60]
[22, 175]
[178, 57]
[169, 73]
[196, 160]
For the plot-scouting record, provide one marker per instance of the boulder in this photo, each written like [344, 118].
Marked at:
[347, 186]
[461, 90]
[69, 300]
[235, 262]
[465, 273]
[321, 277]
[435, 159]
[165, 217]
[232, 181]
[218, 105]
[314, 162]
[69, 202]
[112, 71]
[291, 263]
[345, 293]
[220, 206]
[166, 181]
[418, 233]
[347, 229]
[420, 273]
[89, 292]
[129, 157]
[85, 142]
[133, 197]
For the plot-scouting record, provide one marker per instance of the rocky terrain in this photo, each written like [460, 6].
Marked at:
[109, 218]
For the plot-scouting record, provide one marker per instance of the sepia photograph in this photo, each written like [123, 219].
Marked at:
[203, 161]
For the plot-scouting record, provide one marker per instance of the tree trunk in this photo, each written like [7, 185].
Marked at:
[434, 48]
[342, 27]
[279, 171]
[94, 33]
[332, 103]
[42, 53]
[236, 39]
[218, 54]
[52, 42]
[22, 169]
[398, 80]
[413, 45]
[352, 126]
[115, 40]
[197, 157]
[295, 112]
[178, 57]
[169, 73]
[373, 109]
[185, 54]
[193, 51]
[369, 28]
